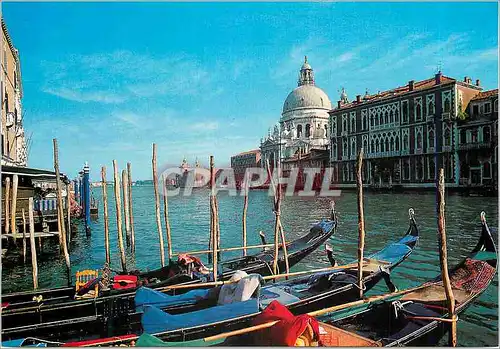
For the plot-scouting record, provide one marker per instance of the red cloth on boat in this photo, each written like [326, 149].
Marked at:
[285, 332]
[186, 259]
[122, 282]
[473, 276]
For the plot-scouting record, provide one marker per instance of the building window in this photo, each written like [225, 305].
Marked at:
[431, 169]
[418, 108]
[419, 170]
[345, 150]
[447, 137]
[353, 146]
[364, 117]
[334, 150]
[463, 136]
[404, 111]
[475, 110]
[418, 137]
[474, 138]
[406, 169]
[430, 105]
[446, 97]
[365, 144]
[299, 131]
[486, 169]
[430, 136]
[344, 123]
[308, 130]
[487, 108]
[6, 103]
[495, 105]
[353, 122]
[486, 134]
[334, 126]
[397, 143]
[405, 142]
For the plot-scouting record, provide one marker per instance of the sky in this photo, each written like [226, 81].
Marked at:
[198, 79]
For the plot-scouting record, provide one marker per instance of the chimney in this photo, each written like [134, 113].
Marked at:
[467, 80]
[338, 104]
[358, 98]
[411, 85]
[438, 77]
[478, 82]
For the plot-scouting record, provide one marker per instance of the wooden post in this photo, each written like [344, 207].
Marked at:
[32, 244]
[244, 218]
[285, 251]
[361, 221]
[7, 204]
[217, 227]
[167, 223]
[68, 209]
[24, 236]
[60, 210]
[105, 213]
[214, 218]
[131, 211]
[126, 206]
[443, 257]
[119, 216]
[277, 218]
[157, 204]
[13, 225]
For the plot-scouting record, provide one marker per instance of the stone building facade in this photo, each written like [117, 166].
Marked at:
[478, 143]
[14, 151]
[406, 133]
[240, 162]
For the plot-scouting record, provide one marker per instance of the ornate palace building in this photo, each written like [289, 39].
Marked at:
[14, 152]
[410, 131]
[240, 162]
[300, 139]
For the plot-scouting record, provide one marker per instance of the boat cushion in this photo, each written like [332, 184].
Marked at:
[148, 296]
[473, 275]
[154, 320]
[275, 293]
[122, 282]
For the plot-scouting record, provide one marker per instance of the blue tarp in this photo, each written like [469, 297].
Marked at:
[154, 320]
[392, 253]
[147, 296]
[20, 342]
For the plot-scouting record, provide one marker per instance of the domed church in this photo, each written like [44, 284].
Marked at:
[300, 138]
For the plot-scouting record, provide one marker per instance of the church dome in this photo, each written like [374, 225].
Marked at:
[307, 96]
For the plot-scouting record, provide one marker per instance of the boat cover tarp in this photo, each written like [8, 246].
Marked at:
[241, 289]
[147, 340]
[148, 296]
[392, 253]
[154, 320]
[20, 343]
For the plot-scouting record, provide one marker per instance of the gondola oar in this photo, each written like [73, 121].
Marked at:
[317, 313]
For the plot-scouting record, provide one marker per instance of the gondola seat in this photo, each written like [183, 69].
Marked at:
[270, 294]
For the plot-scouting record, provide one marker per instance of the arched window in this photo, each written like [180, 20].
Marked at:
[382, 148]
[387, 144]
[486, 134]
[365, 123]
[371, 121]
[406, 168]
[447, 137]
[391, 117]
[447, 105]
[431, 138]
[377, 147]
[334, 151]
[392, 144]
[365, 145]
[376, 121]
[405, 142]
[431, 108]
[372, 149]
[418, 112]
[420, 170]
[299, 131]
[396, 116]
[397, 143]
[486, 170]
[419, 141]
[386, 117]
[308, 130]
[353, 125]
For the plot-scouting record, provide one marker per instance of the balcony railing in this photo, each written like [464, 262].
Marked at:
[477, 145]
[385, 154]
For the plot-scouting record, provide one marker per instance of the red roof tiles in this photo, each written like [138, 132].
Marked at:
[485, 94]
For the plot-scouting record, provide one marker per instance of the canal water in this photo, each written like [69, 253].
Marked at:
[386, 217]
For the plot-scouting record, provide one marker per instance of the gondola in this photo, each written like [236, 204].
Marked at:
[53, 311]
[408, 318]
[197, 315]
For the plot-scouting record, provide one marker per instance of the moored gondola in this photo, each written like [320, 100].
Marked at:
[180, 322]
[53, 312]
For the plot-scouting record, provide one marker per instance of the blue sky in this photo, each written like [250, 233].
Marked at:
[109, 79]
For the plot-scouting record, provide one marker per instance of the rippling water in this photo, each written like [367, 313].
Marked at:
[386, 217]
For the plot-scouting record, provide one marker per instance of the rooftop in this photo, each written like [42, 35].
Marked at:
[254, 151]
[485, 94]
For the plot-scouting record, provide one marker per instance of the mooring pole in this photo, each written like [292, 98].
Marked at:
[125, 206]
[105, 213]
[167, 222]
[131, 211]
[68, 209]
[119, 216]
[60, 210]
[157, 207]
[361, 221]
[24, 236]
[77, 191]
[34, 263]
[244, 217]
[443, 259]
[7, 204]
[13, 225]
[214, 220]
[86, 188]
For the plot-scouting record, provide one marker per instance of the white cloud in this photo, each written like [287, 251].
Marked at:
[205, 126]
